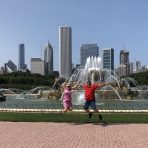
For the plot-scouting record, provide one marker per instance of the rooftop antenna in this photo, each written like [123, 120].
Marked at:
[41, 50]
[123, 45]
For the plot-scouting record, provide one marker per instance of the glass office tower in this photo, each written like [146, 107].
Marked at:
[108, 58]
[21, 57]
[87, 50]
[48, 58]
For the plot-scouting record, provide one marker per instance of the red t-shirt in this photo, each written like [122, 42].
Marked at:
[90, 91]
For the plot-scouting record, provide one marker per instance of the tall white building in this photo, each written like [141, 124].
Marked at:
[48, 58]
[65, 51]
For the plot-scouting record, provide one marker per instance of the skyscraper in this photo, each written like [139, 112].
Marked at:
[108, 58]
[131, 67]
[10, 65]
[21, 57]
[124, 63]
[124, 57]
[48, 58]
[138, 66]
[87, 50]
[37, 66]
[65, 51]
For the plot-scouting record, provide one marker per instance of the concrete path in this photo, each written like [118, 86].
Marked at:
[68, 135]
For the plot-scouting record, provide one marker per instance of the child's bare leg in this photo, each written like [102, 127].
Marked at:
[87, 110]
[96, 111]
[64, 110]
[70, 109]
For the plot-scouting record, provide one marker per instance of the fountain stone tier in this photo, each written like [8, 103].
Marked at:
[51, 94]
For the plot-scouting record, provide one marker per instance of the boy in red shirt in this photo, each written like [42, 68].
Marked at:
[90, 97]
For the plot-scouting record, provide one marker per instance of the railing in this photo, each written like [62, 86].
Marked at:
[46, 106]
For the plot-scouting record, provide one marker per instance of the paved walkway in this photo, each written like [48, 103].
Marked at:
[68, 135]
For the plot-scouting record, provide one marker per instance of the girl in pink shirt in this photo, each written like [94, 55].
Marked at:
[67, 99]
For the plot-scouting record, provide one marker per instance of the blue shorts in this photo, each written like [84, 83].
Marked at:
[91, 104]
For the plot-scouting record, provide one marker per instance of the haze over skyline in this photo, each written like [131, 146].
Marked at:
[114, 24]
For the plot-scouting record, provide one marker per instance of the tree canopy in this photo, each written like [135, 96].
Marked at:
[25, 80]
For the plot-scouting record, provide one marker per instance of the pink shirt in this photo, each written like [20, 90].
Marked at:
[67, 94]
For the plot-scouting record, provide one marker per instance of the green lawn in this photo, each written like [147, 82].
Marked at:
[73, 117]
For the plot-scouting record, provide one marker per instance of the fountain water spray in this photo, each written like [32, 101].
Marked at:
[94, 72]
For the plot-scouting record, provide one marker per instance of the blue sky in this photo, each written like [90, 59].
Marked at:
[109, 23]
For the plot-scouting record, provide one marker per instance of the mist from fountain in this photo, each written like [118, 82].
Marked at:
[94, 72]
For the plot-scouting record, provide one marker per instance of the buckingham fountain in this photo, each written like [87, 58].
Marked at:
[119, 90]
[120, 94]
[122, 89]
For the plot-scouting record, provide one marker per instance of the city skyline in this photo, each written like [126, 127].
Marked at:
[114, 24]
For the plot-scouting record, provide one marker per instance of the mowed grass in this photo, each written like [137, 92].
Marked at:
[74, 117]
